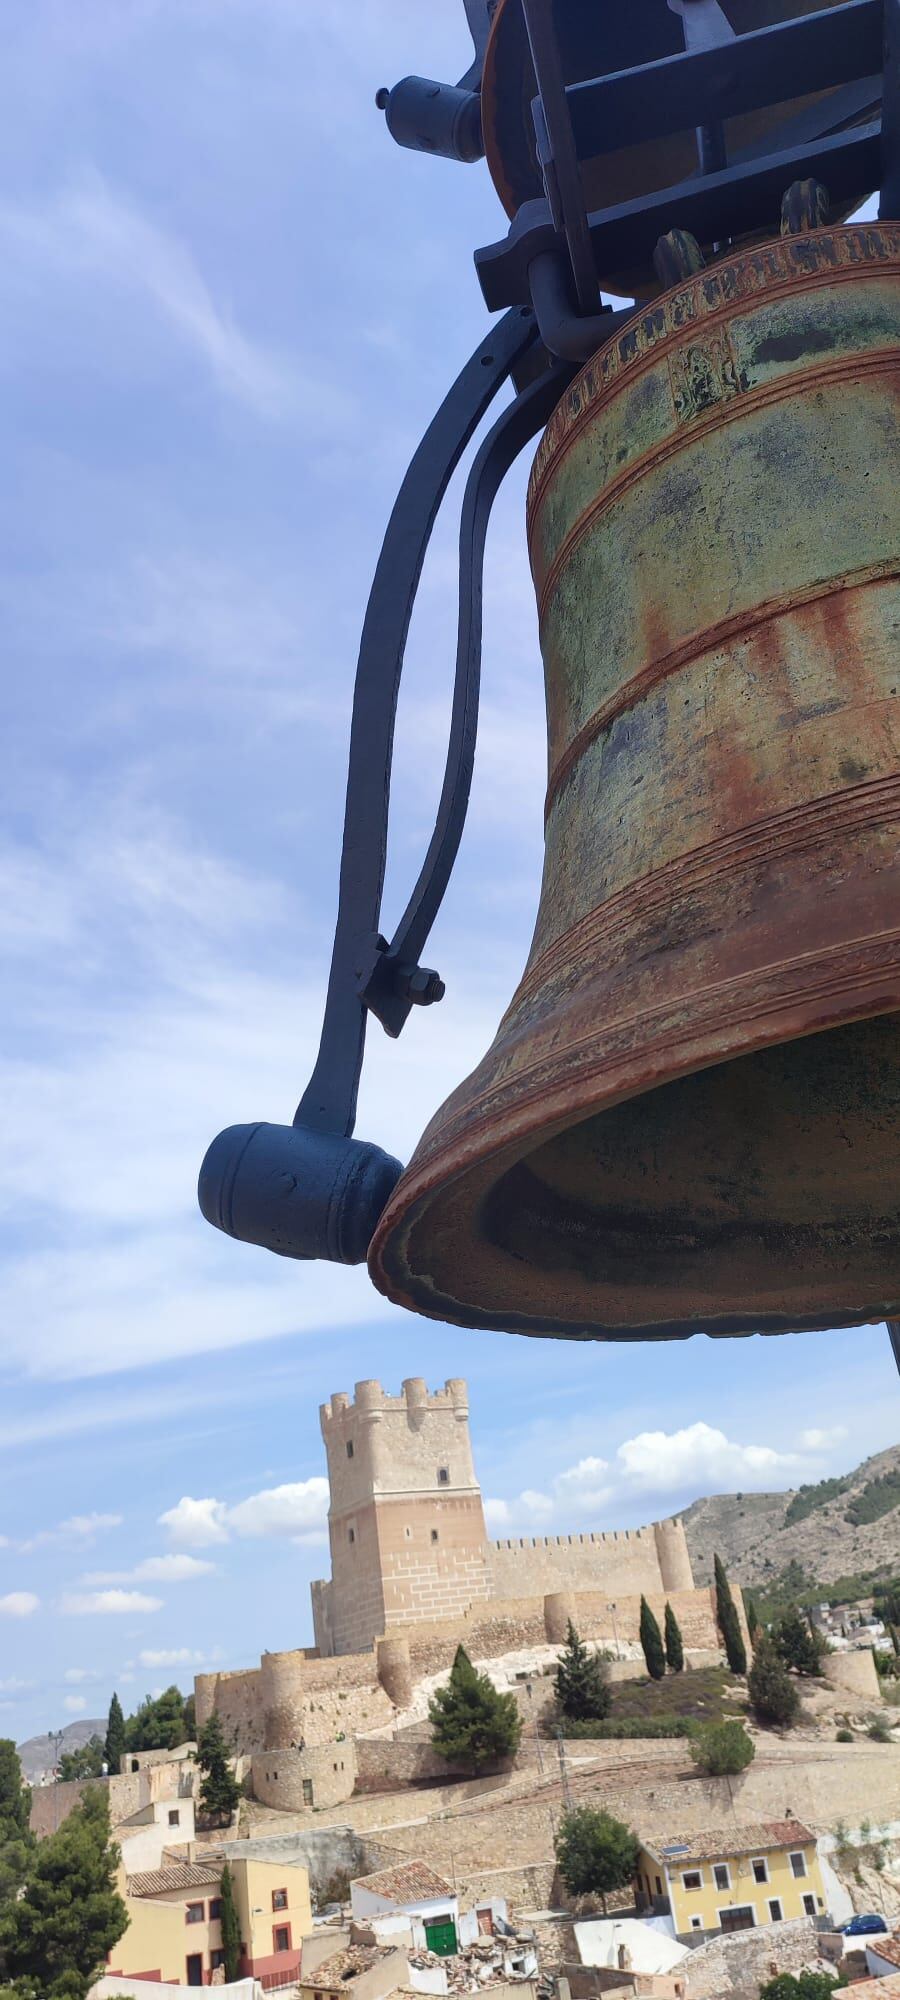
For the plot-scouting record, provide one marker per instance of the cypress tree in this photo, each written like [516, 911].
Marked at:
[231, 1927]
[219, 1791]
[16, 1838]
[752, 1619]
[471, 1722]
[674, 1645]
[114, 1747]
[651, 1640]
[728, 1621]
[57, 1935]
[582, 1681]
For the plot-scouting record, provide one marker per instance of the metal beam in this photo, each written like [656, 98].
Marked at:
[893, 1327]
[815, 52]
[889, 208]
[741, 199]
[562, 171]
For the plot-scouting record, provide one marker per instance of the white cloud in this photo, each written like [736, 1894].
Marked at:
[106, 1603]
[75, 1675]
[154, 1569]
[18, 1604]
[196, 1524]
[823, 1440]
[298, 1510]
[75, 1704]
[13, 1685]
[699, 1458]
[170, 1656]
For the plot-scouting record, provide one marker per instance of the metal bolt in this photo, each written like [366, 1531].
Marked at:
[421, 986]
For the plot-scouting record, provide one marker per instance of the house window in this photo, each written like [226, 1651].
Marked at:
[658, 1885]
[443, 1475]
[174, 1818]
[798, 1865]
[775, 1909]
[279, 1896]
[351, 1534]
[760, 1869]
[216, 1958]
[696, 1923]
[693, 1879]
[349, 1447]
[307, 1791]
[434, 1534]
[215, 1909]
[722, 1875]
[809, 1906]
[194, 1913]
[281, 1937]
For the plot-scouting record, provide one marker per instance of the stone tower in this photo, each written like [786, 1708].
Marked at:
[405, 1519]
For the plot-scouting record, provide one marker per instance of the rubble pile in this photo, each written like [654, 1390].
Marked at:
[487, 1961]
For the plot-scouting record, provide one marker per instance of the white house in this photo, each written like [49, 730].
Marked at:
[883, 1956]
[412, 1893]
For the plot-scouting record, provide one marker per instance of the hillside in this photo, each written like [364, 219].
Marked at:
[758, 1534]
[38, 1753]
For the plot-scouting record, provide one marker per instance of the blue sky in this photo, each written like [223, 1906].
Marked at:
[229, 306]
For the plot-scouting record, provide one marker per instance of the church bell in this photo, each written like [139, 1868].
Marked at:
[689, 1118]
[690, 1115]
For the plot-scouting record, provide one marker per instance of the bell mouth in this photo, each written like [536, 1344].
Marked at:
[759, 1195]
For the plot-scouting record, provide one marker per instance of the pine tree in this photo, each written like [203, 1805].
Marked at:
[773, 1695]
[674, 1645]
[797, 1644]
[114, 1747]
[56, 1937]
[651, 1640]
[582, 1682]
[728, 1621]
[220, 1791]
[596, 1853]
[231, 1927]
[159, 1724]
[472, 1724]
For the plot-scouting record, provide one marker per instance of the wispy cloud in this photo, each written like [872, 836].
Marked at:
[74, 1704]
[173, 1656]
[172, 1568]
[91, 233]
[107, 1603]
[19, 1604]
[79, 1529]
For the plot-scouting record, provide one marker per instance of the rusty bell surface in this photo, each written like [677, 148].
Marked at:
[690, 1117]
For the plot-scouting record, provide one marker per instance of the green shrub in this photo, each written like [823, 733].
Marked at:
[772, 1692]
[879, 1730]
[844, 1736]
[722, 1749]
[629, 1728]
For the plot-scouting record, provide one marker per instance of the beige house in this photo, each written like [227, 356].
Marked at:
[363, 1971]
[174, 1930]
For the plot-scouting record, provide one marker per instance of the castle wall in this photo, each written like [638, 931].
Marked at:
[630, 1561]
[305, 1780]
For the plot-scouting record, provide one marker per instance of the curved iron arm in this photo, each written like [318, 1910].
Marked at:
[521, 421]
[329, 1101]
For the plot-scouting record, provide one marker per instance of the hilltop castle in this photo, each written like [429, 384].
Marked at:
[413, 1575]
[407, 1532]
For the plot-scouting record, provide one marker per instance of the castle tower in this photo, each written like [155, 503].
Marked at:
[405, 1519]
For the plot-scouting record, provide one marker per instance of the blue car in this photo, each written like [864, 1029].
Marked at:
[863, 1926]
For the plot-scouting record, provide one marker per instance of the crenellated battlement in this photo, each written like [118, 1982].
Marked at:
[370, 1398]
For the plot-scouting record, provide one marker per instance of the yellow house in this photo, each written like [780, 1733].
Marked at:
[174, 1931]
[734, 1879]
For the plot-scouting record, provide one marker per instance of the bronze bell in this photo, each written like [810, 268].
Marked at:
[690, 1116]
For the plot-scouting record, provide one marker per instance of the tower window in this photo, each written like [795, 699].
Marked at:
[349, 1447]
[443, 1475]
[434, 1534]
[351, 1534]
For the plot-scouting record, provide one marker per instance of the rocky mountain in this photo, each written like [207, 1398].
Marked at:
[38, 1753]
[839, 1528]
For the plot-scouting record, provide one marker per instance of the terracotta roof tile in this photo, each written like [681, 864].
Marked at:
[414, 1882]
[178, 1875]
[730, 1842]
[886, 1947]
